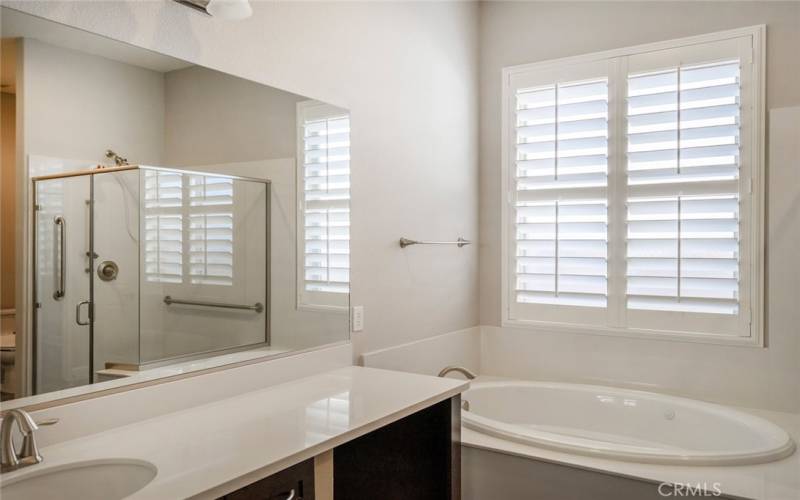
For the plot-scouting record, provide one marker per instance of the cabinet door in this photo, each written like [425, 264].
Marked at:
[294, 483]
[415, 458]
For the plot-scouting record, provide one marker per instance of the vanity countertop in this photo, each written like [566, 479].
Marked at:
[209, 450]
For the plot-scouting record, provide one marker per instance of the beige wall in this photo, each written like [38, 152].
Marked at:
[524, 32]
[214, 118]
[407, 71]
[8, 199]
[77, 105]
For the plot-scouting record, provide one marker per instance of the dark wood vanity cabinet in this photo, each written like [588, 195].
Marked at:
[294, 483]
[415, 458]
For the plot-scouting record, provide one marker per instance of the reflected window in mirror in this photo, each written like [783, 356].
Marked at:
[210, 230]
[324, 215]
[196, 252]
[200, 207]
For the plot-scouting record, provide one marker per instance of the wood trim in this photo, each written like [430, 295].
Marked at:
[323, 476]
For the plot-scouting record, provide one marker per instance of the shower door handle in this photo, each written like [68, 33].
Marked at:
[62, 257]
[78, 313]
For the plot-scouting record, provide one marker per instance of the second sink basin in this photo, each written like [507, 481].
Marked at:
[111, 479]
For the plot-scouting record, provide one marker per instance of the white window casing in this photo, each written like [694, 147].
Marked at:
[633, 191]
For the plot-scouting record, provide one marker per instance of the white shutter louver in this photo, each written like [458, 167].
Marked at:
[561, 207]
[326, 204]
[200, 206]
[211, 230]
[163, 224]
[683, 192]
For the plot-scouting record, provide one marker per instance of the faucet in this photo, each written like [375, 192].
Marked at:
[29, 455]
[459, 369]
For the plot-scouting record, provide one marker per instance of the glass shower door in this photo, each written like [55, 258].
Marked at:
[62, 350]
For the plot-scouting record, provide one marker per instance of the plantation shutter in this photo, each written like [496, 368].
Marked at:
[163, 226]
[325, 206]
[684, 198]
[199, 206]
[632, 190]
[210, 230]
[560, 205]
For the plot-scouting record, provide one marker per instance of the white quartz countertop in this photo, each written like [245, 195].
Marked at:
[209, 450]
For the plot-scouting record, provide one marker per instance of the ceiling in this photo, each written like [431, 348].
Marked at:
[19, 25]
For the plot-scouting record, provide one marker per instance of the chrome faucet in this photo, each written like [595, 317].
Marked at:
[459, 369]
[29, 455]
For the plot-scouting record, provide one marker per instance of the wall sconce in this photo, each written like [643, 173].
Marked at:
[223, 9]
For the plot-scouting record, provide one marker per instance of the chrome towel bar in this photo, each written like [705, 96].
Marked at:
[257, 307]
[404, 242]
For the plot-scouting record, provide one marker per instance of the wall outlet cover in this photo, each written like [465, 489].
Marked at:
[357, 319]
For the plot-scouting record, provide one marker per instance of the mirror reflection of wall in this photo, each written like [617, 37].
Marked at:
[164, 193]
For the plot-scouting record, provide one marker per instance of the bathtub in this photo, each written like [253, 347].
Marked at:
[621, 424]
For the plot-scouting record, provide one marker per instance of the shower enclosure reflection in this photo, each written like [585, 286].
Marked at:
[167, 217]
[141, 266]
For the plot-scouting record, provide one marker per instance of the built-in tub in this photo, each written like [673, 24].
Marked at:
[622, 424]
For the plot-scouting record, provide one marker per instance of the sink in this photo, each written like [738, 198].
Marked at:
[111, 479]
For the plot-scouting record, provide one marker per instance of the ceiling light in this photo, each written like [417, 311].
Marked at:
[230, 9]
[223, 9]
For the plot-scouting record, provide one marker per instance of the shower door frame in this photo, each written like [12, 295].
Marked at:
[161, 362]
[34, 345]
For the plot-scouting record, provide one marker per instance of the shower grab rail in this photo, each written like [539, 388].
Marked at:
[404, 242]
[257, 307]
[59, 221]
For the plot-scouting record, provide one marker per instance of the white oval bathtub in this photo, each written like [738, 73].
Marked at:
[622, 424]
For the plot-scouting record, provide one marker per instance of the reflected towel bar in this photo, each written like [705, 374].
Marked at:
[404, 242]
[257, 307]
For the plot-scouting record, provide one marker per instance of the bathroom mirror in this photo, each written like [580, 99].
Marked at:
[159, 217]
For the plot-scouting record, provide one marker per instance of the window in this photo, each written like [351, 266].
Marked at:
[323, 183]
[633, 190]
[200, 206]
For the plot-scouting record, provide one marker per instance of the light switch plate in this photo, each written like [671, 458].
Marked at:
[357, 319]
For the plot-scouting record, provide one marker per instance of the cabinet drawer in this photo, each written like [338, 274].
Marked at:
[297, 480]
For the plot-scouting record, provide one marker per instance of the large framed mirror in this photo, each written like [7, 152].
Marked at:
[158, 217]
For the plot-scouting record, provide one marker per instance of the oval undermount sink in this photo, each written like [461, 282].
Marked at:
[93, 480]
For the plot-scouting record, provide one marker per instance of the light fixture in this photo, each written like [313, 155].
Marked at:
[223, 9]
[230, 9]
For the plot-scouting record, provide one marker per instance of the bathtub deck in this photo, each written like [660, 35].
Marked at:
[771, 481]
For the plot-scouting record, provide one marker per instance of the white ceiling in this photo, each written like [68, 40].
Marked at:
[19, 25]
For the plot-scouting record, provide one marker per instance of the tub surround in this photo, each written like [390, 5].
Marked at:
[768, 481]
[213, 449]
[428, 356]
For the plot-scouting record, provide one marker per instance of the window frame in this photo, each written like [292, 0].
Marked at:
[306, 300]
[752, 168]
